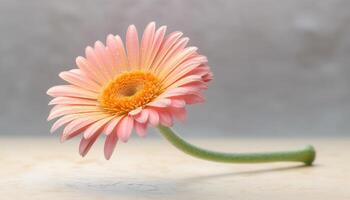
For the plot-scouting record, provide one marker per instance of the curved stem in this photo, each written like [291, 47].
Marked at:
[306, 155]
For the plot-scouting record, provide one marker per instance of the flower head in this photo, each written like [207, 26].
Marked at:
[115, 89]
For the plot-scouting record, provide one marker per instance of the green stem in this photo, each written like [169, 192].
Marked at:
[306, 155]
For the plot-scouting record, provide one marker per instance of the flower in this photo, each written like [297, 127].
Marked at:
[115, 89]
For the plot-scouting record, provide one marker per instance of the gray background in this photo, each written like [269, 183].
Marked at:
[281, 67]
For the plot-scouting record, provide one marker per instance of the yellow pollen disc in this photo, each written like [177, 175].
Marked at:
[129, 91]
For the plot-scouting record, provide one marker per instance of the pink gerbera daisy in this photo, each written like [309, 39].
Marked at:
[114, 90]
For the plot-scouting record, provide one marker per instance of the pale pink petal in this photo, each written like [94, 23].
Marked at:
[165, 118]
[78, 79]
[183, 81]
[103, 58]
[110, 143]
[161, 103]
[112, 125]
[190, 98]
[66, 119]
[72, 101]
[141, 129]
[125, 127]
[181, 71]
[157, 42]
[178, 103]
[60, 110]
[64, 138]
[166, 46]
[200, 85]
[96, 127]
[208, 77]
[71, 91]
[86, 144]
[193, 98]
[90, 70]
[143, 116]
[135, 111]
[80, 123]
[115, 67]
[116, 46]
[146, 43]
[179, 91]
[175, 61]
[179, 113]
[201, 70]
[111, 56]
[132, 46]
[153, 117]
[94, 60]
[173, 51]
[62, 121]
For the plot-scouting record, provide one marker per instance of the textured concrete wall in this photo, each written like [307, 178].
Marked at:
[281, 67]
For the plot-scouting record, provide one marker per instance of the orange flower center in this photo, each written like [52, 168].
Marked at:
[129, 91]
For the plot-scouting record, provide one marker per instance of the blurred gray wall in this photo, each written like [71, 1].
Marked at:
[281, 67]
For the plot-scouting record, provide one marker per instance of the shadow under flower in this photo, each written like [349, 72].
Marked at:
[246, 173]
[157, 187]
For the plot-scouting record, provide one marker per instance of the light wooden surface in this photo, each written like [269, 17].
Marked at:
[42, 168]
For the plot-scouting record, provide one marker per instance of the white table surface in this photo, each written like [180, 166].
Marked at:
[43, 168]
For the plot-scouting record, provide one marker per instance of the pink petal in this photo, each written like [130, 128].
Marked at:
[96, 127]
[80, 123]
[176, 60]
[62, 121]
[178, 103]
[66, 119]
[179, 91]
[91, 70]
[103, 58]
[165, 118]
[201, 85]
[193, 98]
[141, 129]
[160, 103]
[143, 116]
[201, 70]
[125, 127]
[71, 91]
[208, 77]
[132, 46]
[110, 143]
[179, 113]
[116, 46]
[95, 60]
[173, 51]
[63, 138]
[183, 81]
[86, 144]
[146, 43]
[112, 125]
[153, 117]
[135, 111]
[72, 101]
[158, 40]
[60, 110]
[183, 69]
[166, 46]
[190, 98]
[80, 80]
